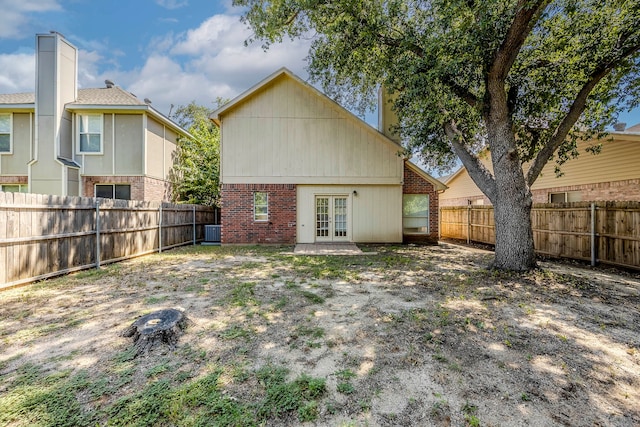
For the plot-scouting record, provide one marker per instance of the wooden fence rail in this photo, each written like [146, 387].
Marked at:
[43, 236]
[600, 232]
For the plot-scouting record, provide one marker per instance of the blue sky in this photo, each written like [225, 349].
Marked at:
[170, 51]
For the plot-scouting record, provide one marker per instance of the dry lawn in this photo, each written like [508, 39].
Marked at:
[410, 336]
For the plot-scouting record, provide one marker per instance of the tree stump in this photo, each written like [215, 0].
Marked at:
[164, 326]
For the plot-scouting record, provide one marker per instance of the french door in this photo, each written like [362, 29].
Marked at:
[332, 219]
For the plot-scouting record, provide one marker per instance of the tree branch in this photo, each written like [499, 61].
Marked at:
[572, 116]
[477, 171]
[522, 24]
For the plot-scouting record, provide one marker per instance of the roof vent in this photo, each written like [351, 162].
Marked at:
[109, 84]
[147, 101]
[619, 127]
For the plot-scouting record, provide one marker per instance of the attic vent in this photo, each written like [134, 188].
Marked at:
[619, 127]
[109, 84]
[147, 101]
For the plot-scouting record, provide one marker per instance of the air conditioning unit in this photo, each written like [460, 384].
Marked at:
[211, 235]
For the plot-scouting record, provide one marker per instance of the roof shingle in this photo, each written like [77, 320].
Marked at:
[92, 96]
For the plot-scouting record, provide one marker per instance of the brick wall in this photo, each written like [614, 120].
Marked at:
[14, 179]
[415, 184]
[627, 190]
[238, 225]
[156, 189]
[142, 187]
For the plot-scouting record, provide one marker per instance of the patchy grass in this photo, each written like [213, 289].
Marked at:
[407, 336]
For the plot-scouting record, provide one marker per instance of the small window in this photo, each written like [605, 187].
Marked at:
[14, 188]
[415, 213]
[90, 133]
[565, 196]
[114, 191]
[5, 133]
[260, 206]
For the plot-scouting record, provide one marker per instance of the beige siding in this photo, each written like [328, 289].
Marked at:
[619, 160]
[169, 152]
[462, 186]
[73, 182]
[16, 163]
[286, 133]
[155, 149]
[375, 213]
[128, 144]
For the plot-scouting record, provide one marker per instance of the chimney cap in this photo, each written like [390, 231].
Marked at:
[620, 127]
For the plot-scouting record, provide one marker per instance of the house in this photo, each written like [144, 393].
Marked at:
[296, 167]
[614, 174]
[101, 142]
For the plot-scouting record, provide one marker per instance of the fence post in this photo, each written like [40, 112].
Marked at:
[593, 234]
[98, 255]
[469, 223]
[194, 225]
[160, 229]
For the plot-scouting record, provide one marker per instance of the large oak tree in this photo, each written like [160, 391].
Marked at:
[523, 78]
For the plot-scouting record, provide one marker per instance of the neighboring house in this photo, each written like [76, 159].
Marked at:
[67, 141]
[296, 167]
[614, 174]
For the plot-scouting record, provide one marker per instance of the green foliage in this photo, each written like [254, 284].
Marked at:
[439, 56]
[35, 399]
[196, 171]
[523, 79]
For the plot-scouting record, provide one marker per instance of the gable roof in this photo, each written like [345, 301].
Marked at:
[254, 90]
[17, 98]
[216, 115]
[438, 185]
[106, 98]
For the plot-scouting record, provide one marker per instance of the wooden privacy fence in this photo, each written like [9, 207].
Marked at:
[43, 236]
[605, 232]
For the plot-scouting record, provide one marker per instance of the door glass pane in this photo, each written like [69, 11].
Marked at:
[322, 217]
[340, 216]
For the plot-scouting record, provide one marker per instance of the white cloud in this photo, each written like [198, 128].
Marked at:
[16, 15]
[211, 61]
[18, 72]
[198, 65]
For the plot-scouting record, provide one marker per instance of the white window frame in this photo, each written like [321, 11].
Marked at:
[426, 218]
[10, 133]
[113, 192]
[262, 216]
[80, 118]
[566, 195]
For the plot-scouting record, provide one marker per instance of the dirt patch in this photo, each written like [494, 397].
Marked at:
[408, 336]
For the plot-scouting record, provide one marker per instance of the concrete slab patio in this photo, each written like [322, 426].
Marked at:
[329, 249]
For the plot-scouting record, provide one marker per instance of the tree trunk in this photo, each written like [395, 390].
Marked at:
[514, 235]
[512, 199]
